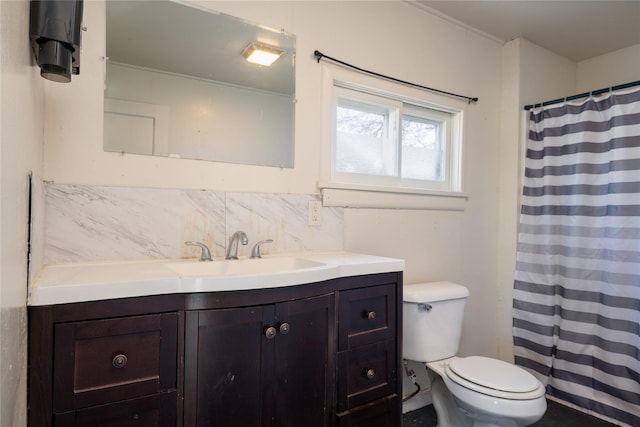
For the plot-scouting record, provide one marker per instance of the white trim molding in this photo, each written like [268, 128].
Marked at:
[335, 195]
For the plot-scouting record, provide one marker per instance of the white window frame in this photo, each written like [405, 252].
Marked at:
[362, 190]
[446, 120]
[374, 104]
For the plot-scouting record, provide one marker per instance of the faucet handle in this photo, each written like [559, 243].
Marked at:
[205, 255]
[255, 252]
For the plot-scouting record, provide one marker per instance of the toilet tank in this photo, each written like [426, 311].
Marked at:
[432, 320]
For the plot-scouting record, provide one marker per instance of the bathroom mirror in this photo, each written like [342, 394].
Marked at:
[178, 85]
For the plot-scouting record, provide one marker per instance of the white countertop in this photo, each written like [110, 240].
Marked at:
[91, 281]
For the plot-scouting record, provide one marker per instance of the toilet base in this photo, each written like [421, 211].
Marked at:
[446, 408]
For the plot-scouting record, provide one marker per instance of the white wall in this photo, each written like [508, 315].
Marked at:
[21, 124]
[342, 29]
[614, 68]
[544, 75]
[508, 192]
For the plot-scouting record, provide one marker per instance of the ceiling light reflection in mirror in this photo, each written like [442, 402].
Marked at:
[178, 85]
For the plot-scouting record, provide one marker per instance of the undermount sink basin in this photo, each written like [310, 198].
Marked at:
[243, 267]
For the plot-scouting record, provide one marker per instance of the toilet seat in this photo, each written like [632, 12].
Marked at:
[494, 378]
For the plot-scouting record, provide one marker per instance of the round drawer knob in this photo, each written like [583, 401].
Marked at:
[119, 361]
[270, 332]
[370, 373]
[371, 315]
[285, 328]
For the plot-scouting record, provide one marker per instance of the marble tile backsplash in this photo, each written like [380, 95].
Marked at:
[94, 223]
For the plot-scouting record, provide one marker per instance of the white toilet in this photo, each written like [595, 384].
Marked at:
[467, 391]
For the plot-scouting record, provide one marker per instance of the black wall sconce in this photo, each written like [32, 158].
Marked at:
[54, 29]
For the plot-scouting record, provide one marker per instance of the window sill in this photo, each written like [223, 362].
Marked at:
[362, 196]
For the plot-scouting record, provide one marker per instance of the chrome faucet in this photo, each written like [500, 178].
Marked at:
[232, 249]
[205, 255]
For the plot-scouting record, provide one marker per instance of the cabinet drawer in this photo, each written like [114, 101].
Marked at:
[158, 410]
[366, 373]
[102, 361]
[385, 412]
[367, 315]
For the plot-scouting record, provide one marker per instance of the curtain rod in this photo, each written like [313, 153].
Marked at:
[583, 95]
[319, 55]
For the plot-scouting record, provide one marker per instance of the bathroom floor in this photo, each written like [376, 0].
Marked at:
[557, 415]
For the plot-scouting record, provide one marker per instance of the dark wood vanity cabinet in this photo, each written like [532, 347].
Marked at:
[322, 354]
[268, 365]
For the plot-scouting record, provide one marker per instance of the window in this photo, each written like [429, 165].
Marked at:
[388, 141]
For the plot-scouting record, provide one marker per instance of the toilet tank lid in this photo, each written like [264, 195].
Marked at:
[433, 291]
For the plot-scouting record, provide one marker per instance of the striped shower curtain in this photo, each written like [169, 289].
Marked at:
[576, 307]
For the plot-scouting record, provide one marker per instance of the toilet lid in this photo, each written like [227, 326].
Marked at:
[494, 374]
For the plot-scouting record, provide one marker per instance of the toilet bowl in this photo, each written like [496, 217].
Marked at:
[490, 392]
[472, 391]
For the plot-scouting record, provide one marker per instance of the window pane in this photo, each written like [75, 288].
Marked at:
[362, 142]
[423, 149]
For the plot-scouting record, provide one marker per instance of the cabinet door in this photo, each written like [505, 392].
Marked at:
[304, 363]
[268, 365]
[224, 366]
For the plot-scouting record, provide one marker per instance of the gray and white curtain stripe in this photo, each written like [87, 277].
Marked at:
[576, 307]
